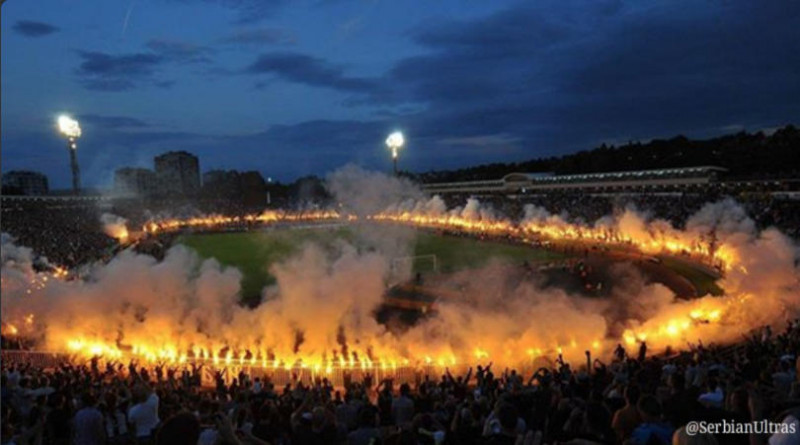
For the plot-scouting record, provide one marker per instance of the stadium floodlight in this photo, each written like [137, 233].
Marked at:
[72, 131]
[395, 142]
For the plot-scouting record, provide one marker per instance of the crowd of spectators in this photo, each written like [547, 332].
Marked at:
[781, 213]
[71, 234]
[633, 400]
[766, 210]
[68, 235]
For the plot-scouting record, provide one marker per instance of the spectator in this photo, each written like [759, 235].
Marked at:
[554, 405]
[652, 430]
[180, 429]
[89, 429]
[507, 420]
[627, 418]
[367, 432]
[143, 416]
[403, 406]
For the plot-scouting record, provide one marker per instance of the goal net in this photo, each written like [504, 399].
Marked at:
[407, 266]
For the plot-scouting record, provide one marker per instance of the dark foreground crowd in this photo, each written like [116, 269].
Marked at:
[632, 400]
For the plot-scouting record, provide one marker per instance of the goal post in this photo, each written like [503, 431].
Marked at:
[417, 263]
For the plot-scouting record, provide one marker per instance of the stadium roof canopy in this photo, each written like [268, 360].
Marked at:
[520, 177]
[514, 182]
[633, 174]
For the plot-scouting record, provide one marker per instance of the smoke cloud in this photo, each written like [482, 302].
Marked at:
[115, 226]
[363, 192]
[322, 306]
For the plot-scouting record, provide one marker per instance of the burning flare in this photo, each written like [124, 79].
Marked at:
[115, 227]
[319, 316]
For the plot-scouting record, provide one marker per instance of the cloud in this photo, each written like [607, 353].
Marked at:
[122, 72]
[179, 51]
[351, 25]
[260, 36]
[491, 60]
[112, 122]
[106, 72]
[307, 70]
[30, 28]
[252, 11]
[482, 140]
[247, 11]
[513, 31]
[561, 78]
[536, 79]
[165, 84]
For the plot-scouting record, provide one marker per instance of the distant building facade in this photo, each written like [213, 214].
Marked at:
[25, 182]
[246, 189]
[253, 189]
[215, 181]
[130, 181]
[178, 173]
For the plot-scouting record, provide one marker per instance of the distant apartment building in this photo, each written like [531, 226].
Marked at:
[247, 189]
[253, 189]
[178, 173]
[218, 180]
[133, 181]
[24, 182]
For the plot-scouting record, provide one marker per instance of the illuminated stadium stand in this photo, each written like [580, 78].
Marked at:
[513, 183]
[21, 202]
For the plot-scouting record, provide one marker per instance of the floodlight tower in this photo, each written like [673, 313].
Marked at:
[72, 131]
[395, 142]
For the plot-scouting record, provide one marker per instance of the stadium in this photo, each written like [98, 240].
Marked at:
[444, 277]
[435, 249]
[471, 279]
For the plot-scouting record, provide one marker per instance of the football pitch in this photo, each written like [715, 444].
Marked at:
[254, 252]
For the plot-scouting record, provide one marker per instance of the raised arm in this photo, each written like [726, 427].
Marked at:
[294, 419]
[227, 436]
[530, 380]
[456, 418]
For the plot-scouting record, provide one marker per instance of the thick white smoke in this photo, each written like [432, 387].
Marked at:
[183, 303]
[365, 193]
[115, 226]
[759, 269]
[17, 273]
[323, 301]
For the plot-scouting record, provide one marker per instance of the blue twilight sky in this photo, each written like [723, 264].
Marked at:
[300, 87]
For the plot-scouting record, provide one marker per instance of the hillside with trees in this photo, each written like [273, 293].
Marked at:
[745, 155]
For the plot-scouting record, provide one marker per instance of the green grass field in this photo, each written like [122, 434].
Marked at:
[455, 253]
[702, 281]
[254, 252]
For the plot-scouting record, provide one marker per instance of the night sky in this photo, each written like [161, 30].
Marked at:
[292, 88]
